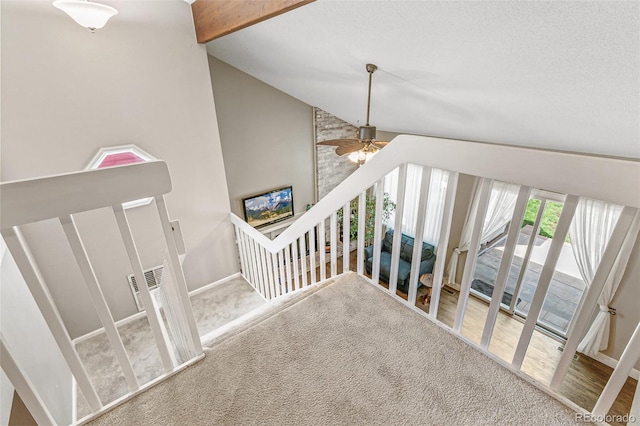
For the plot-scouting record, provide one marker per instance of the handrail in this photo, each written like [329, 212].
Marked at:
[32, 200]
[602, 178]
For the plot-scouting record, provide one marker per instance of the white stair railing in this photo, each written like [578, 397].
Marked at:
[301, 263]
[613, 180]
[61, 197]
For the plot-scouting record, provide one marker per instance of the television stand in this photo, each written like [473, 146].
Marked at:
[272, 231]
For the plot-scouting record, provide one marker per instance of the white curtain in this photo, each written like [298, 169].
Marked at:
[435, 203]
[590, 232]
[502, 201]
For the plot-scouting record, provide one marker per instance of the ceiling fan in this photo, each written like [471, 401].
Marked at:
[363, 147]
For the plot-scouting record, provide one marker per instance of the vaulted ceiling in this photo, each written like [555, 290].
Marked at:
[562, 75]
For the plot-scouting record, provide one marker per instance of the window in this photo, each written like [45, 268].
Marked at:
[118, 156]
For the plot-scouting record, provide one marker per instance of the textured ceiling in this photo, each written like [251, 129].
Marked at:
[563, 75]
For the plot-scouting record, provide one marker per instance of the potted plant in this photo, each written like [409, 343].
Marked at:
[388, 207]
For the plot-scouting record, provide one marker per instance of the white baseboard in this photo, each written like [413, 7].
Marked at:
[213, 284]
[100, 330]
[610, 362]
[139, 315]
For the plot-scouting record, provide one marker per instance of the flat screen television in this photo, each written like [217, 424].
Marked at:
[269, 207]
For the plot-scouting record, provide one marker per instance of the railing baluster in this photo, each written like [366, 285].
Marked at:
[254, 265]
[505, 264]
[268, 259]
[155, 322]
[247, 256]
[544, 280]
[243, 268]
[102, 309]
[287, 264]
[243, 255]
[397, 228]
[334, 243]
[443, 243]
[273, 257]
[377, 232]
[262, 270]
[361, 223]
[295, 260]
[251, 262]
[267, 273]
[279, 267]
[270, 273]
[346, 236]
[178, 276]
[469, 266]
[284, 284]
[312, 254]
[303, 260]
[264, 278]
[419, 237]
[322, 249]
[33, 278]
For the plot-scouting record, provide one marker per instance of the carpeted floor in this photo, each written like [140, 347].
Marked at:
[346, 354]
[212, 309]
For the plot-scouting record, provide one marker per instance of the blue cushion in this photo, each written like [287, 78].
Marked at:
[385, 264]
[404, 269]
[387, 243]
[406, 247]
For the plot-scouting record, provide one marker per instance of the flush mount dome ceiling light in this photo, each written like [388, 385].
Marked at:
[87, 14]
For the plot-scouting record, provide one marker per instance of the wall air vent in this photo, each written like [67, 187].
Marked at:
[153, 277]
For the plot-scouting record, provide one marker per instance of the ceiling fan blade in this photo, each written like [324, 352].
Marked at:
[379, 144]
[339, 142]
[343, 150]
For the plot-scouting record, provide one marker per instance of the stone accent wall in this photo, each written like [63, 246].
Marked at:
[331, 169]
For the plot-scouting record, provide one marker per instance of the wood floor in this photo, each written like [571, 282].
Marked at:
[586, 377]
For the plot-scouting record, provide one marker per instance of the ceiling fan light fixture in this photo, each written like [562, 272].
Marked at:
[363, 155]
[358, 157]
[87, 14]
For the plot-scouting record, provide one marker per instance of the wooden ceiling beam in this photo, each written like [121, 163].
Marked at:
[216, 18]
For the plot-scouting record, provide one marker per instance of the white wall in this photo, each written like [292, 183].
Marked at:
[266, 136]
[141, 80]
